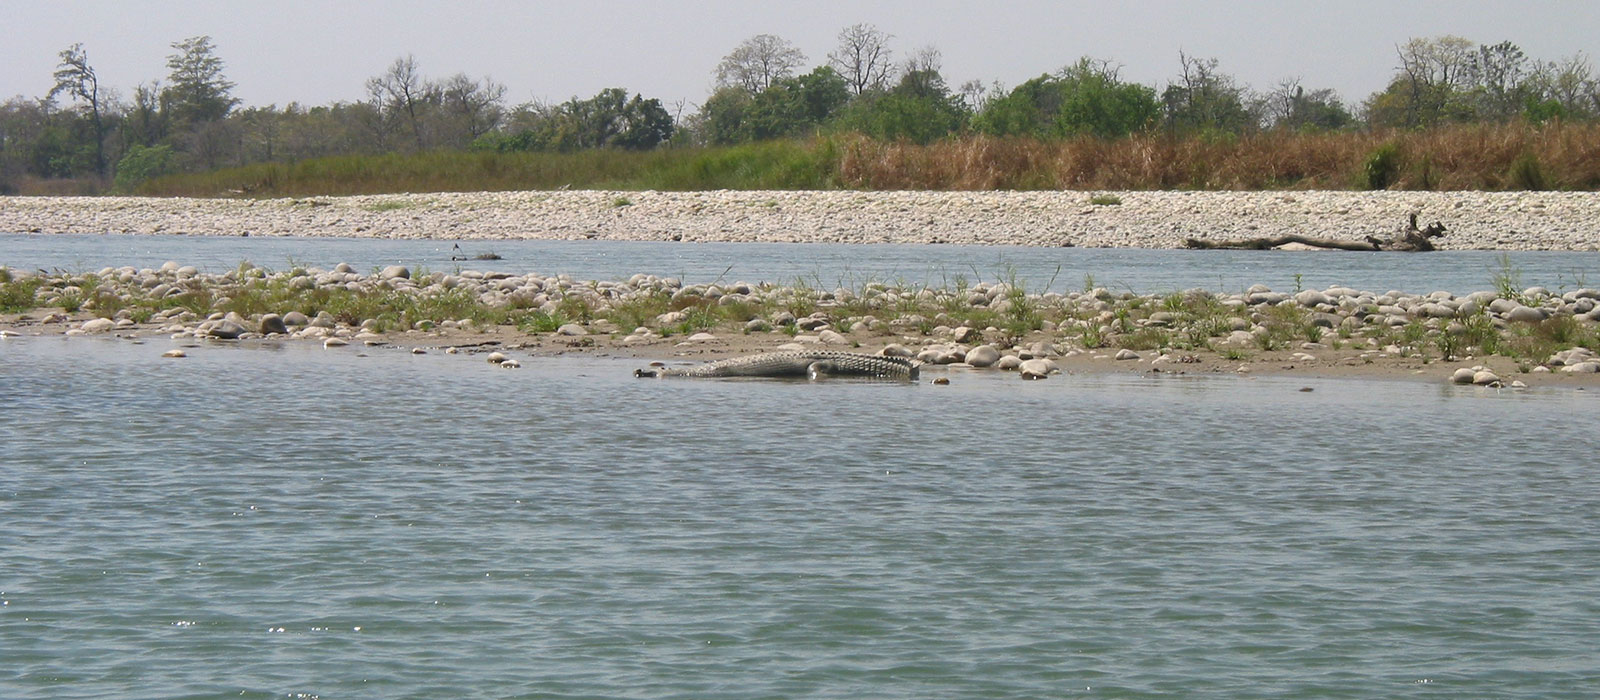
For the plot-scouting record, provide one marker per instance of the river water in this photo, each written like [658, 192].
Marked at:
[828, 265]
[281, 521]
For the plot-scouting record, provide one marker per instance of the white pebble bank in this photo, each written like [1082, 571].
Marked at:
[1480, 220]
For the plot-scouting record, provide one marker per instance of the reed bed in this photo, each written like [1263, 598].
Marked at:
[1516, 156]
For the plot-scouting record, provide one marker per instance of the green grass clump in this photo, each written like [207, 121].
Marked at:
[1381, 168]
[17, 295]
[1528, 174]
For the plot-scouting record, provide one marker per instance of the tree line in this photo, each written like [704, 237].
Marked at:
[91, 138]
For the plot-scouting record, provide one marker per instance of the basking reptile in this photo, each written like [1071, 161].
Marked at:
[811, 364]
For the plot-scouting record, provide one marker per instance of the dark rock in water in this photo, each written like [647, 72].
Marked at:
[227, 330]
[273, 323]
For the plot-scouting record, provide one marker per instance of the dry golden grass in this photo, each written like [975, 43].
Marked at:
[1468, 157]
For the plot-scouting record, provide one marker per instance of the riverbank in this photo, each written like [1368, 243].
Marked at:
[1502, 337]
[1144, 219]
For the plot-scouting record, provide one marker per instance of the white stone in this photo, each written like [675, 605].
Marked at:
[983, 356]
[97, 325]
[1525, 314]
[1037, 368]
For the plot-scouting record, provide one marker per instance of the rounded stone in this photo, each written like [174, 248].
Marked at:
[571, 329]
[496, 358]
[983, 356]
[829, 337]
[227, 330]
[175, 352]
[335, 343]
[1040, 368]
[1525, 314]
[1310, 298]
[1126, 354]
[98, 325]
[273, 323]
[1037, 368]
[1484, 377]
[1463, 375]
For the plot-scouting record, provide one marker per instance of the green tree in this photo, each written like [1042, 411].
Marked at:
[1432, 86]
[75, 77]
[1205, 100]
[197, 90]
[1290, 107]
[610, 119]
[1086, 98]
[789, 107]
[920, 109]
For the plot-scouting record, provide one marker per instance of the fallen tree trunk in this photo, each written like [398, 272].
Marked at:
[1410, 240]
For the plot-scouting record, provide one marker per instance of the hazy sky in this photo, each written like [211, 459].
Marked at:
[279, 51]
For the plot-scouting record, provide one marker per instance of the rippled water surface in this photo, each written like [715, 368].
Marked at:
[266, 521]
[830, 265]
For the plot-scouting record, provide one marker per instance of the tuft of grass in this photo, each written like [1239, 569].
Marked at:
[1527, 174]
[17, 295]
[1105, 200]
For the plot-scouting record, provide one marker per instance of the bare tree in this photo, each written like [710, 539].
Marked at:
[927, 59]
[401, 93]
[758, 63]
[474, 108]
[76, 77]
[863, 58]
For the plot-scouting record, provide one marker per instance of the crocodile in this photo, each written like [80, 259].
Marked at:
[811, 364]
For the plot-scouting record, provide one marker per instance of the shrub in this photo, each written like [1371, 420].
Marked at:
[1528, 174]
[1381, 167]
[142, 163]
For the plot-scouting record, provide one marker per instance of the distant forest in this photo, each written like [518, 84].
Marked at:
[84, 138]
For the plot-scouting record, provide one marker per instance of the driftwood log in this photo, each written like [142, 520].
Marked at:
[1410, 240]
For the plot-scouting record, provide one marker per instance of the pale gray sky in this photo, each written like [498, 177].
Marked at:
[317, 52]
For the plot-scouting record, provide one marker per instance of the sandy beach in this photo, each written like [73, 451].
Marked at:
[1475, 220]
